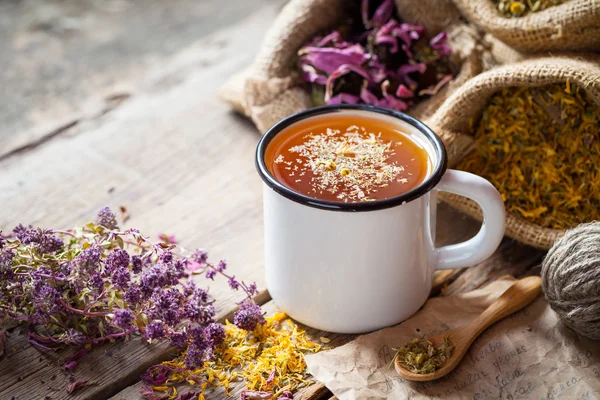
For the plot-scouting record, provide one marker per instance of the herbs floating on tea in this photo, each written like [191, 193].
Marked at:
[420, 356]
[540, 148]
[375, 59]
[512, 8]
[347, 158]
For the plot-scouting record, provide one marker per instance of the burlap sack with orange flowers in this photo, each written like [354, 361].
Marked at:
[271, 88]
[571, 26]
[452, 121]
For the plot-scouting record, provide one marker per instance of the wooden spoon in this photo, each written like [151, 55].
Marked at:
[520, 294]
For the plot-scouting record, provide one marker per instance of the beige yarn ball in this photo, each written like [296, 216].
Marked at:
[571, 279]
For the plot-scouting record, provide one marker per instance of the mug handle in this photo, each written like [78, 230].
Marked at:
[482, 245]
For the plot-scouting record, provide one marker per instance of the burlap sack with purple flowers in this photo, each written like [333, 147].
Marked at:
[452, 121]
[271, 88]
[571, 26]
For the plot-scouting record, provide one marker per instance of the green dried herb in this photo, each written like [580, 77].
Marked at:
[512, 8]
[420, 356]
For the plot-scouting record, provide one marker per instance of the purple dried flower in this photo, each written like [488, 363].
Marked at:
[69, 365]
[233, 283]
[123, 318]
[221, 266]
[166, 306]
[195, 356]
[341, 71]
[107, 219]
[74, 337]
[344, 98]
[154, 278]
[310, 74]
[133, 295]
[22, 233]
[195, 311]
[43, 240]
[165, 258]
[248, 316]
[117, 259]
[439, 43]
[351, 70]
[168, 239]
[179, 267]
[136, 264]
[215, 333]
[89, 260]
[199, 256]
[156, 375]
[121, 278]
[155, 330]
[252, 289]
[255, 395]
[392, 102]
[6, 262]
[189, 288]
[188, 396]
[286, 395]
[330, 59]
[383, 13]
[97, 282]
[178, 340]
[211, 273]
[48, 243]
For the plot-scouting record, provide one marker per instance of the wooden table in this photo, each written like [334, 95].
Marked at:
[128, 116]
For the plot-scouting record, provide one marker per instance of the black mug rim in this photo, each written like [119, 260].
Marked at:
[429, 183]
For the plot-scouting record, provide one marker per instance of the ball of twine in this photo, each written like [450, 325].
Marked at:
[571, 279]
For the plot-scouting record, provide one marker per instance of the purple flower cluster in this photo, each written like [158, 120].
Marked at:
[43, 241]
[102, 284]
[107, 219]
[123, 318]
[383, 62]
[249, 315]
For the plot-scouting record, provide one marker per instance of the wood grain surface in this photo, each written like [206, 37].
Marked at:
[157, 141]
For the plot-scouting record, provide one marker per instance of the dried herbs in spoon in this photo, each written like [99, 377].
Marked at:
[420, 356]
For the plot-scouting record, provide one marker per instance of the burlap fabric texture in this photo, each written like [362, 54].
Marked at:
[571, 26]
[271, 89]
[451, 121]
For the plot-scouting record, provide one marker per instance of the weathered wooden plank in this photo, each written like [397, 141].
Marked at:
[63, 61]
[177, 159]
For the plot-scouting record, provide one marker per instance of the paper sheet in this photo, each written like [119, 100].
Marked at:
[529, 355]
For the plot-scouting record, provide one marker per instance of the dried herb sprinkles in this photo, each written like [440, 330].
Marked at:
[512, 8]
[362, 158]
[420, 356]
[540, 148]
[269, 360]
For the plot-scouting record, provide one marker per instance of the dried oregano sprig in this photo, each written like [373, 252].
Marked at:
[97, 283]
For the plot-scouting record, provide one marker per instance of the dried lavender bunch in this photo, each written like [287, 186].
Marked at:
[378, 61]
[97, 283]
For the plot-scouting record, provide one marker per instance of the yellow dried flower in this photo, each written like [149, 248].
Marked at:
[540, 147]
[271, 358]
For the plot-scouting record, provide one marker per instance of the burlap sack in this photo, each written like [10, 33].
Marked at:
[571, 26]
[271, 89]
[451, 121]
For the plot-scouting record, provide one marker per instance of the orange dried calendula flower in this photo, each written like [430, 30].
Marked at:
[268, 359]
[540, 148]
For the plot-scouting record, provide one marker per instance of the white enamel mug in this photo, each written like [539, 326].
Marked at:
[357, 267]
